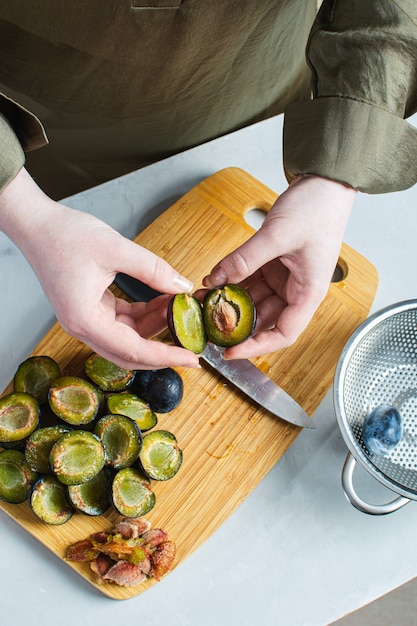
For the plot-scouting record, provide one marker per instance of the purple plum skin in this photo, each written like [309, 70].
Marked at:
[382, 429]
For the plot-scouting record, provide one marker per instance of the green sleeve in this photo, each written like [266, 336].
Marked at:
[362, 55]
[12, 157]
[20, 132]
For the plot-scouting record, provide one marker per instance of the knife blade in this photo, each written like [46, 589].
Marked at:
[241, 372]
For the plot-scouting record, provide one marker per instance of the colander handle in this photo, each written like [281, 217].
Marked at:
[361, 505]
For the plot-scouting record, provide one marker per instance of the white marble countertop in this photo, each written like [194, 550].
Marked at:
[296, 551]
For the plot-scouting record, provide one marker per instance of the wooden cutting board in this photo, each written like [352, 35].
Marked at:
[229, 443]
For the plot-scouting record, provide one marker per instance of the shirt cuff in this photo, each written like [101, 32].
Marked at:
[12, 157]
[352, 142]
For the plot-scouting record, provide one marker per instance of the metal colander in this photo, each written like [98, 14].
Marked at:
[377, 366]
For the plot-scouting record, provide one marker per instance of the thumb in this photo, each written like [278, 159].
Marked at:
[139, 262]
[244, 261]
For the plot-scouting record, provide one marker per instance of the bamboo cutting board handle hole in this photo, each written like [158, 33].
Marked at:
[341, 271]
[255, 216]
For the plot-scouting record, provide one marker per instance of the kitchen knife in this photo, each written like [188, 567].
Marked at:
[241, 372]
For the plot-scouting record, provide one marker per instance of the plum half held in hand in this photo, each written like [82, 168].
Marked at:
[226, 317]
[229, 315]
[382, 429]
[185, 322]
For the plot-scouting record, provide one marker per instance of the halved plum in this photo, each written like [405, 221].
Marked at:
[229, 315]
[131, 493]
[134, 407]
[74, 400]
[91, 497]
[107, 375]
[185, 322]
[160, 456]
[48, 499]
[121, 439]
[39, 444]
[16, 477]
[19, 416]
[35, 376]
[77, 457]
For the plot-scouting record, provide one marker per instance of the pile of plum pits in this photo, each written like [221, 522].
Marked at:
[128, 554]
[84, 444]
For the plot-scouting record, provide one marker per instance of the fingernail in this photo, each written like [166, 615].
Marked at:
[182, 283]
[217, 278]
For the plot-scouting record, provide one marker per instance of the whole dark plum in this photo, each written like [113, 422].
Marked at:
[382, 429]
[161, 389]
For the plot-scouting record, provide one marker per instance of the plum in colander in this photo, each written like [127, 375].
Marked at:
[382, 429]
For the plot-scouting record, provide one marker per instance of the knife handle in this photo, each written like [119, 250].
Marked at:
[135, 288]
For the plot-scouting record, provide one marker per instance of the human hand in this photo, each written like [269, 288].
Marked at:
[288, 264]
[76, 257]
